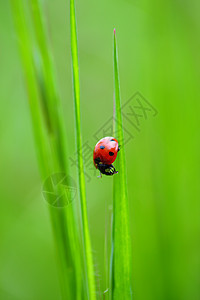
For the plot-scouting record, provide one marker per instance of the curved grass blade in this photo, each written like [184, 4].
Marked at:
[85, 229]
[31, 87]
[121, 256]
[48, 85]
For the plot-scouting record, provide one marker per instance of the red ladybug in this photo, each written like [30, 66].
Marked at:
[105, 153]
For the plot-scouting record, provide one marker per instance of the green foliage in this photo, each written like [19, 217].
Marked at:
[158, 42]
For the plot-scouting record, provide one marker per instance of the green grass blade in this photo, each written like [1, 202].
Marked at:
[121, 265]
[31, 86]
[49, 87]
[86, 236]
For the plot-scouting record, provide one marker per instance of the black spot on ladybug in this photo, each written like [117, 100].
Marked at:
[111, 153]
[102, 147]
[97, 160]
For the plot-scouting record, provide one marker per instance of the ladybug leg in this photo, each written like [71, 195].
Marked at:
[100, 175]
[113, 169]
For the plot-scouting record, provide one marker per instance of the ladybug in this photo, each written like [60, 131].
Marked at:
[105, 153]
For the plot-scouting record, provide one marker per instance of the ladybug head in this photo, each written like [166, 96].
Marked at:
[106, 169]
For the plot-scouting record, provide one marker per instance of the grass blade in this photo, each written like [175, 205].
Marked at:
[121, 264]
[31, 87]
[48, 85]
[86, 237]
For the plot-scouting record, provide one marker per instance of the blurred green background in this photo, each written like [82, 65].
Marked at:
[159, 56]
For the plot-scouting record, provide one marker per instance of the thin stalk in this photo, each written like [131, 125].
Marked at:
[82, 193]
[121, 260]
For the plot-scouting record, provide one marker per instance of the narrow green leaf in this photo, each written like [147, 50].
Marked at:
[82, 193]
[31, 86]
[121, 264]
[48, 87]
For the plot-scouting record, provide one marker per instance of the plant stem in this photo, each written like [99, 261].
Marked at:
[85, 229]
[121, 264]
